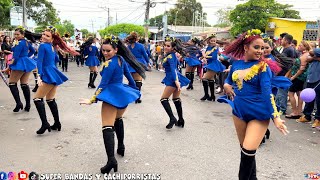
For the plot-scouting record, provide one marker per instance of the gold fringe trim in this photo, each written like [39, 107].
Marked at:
[94, 97]
[254, 70]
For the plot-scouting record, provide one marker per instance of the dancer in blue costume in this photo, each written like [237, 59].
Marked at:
[115, 95]
[49, 77]
[92, 60]
[248, 87]
[140, 53]
[35, 71]
[21, 68]
[192, 59]
[268, 48]
[213, 66]
[173, 81]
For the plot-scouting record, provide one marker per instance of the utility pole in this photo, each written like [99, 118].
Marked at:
[116, 18]
[108, 17]
[24, 14]
[92, 25]
[108, 10]
[193, 22]
[146, 20]
[202, 20]
[165, 25]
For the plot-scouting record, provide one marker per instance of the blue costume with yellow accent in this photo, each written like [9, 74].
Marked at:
[252, 83]
[21, 61]
[213, 62]
[141, 55]
[111, 89]
[270, 56]
[93, 53]
[170, 64]
[46, 63]
[193, 58]
[31, 50]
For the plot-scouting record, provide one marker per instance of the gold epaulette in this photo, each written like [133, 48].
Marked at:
[106, 64]
[166, 58]
[211, 51]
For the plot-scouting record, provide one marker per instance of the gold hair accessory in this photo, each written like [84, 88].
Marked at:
[212, 35]
[52, 29]
[113, 39]
[170, 39]
[265, 37]
[21, 27]
[253, 32]
[194, 39]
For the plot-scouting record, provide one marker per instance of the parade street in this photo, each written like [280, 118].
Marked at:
[206, 148]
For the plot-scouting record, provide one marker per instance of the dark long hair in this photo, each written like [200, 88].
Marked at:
[196, 41]
[29, 35]
[126, 54]
[177, 45]
[87, 43]
[4, 40]
[283, 61]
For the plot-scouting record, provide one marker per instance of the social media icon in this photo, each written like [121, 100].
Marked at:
[12, 176]
[3, 176]
[22, 175]
[33, 176]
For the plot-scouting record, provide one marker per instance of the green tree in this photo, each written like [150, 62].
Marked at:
[85, 32]
[182, 14]
[40, 28]
[5, 13]
[41, 11]
[157, 21]
[254, 14]
[223, 17]
[122, 28]
[66, 27]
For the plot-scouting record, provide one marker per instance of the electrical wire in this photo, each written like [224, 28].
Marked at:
[130, 13]
[137, 18]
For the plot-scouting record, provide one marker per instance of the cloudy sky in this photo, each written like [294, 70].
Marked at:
[93, 15]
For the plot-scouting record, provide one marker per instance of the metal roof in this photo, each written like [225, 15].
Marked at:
[295, 20]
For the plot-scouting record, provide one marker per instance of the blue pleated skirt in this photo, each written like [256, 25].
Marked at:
[192, 61]
[25, 64]
[51, 75]
[215, 66]
[168, 80]
[92, 61]
[119, 95]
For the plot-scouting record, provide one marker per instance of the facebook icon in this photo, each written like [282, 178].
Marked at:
[3, 176]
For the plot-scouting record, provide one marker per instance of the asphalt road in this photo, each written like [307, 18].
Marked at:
[207, 148]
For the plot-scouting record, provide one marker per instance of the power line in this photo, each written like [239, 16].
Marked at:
[137, 18]
[72, 6]
[130, 13]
